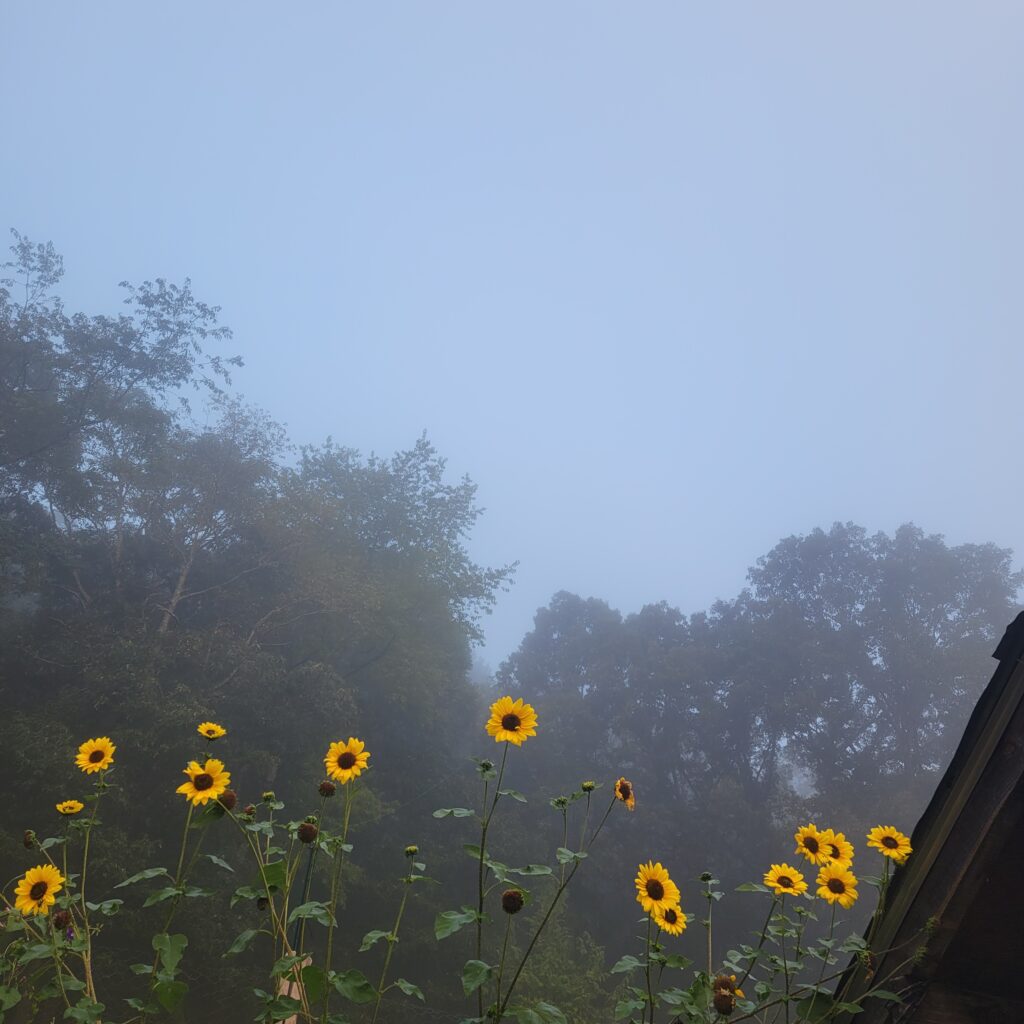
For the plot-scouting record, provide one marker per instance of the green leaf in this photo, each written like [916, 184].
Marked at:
[52, 841]
[354, 986]
[370, 938]
[472, 849]
[160, 895]
[410, 989]
[626, 1007]
[171, 949]
[474, 974]
[242, 941]
[170, 993]
[677, 961]
[9, 997]
[627, 963]
[314, 982]
[315, 910]
[453, 812]
[815, 1007]
[512, 793]
[246, 892]
[108, 908]
[219, 861]
[85, 1011]
[275, 874]
[143, 875]
[565, 856]
[672, 996]
[884, 993]
[37, 951]
[752, 887]
[531, 869]
[850, 1007]
[141, 968]
[448, 922]
[549, 1014]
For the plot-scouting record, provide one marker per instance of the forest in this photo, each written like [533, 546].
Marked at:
[170, 556]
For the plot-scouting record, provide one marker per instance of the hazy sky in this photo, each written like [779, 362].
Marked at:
[670, 281]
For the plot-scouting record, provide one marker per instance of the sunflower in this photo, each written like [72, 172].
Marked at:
[670, 919]
[837, 884]
[70, 807]
[811, 843]
[624, 792]
[346, 761]
[204, 783]
[654, 889]
[95, 755]
[891, 842]
[838, 848]
[37, 891]
[786, 881]
[211, 730]
[512, 721]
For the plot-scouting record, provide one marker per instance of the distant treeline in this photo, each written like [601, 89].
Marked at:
[168, 556]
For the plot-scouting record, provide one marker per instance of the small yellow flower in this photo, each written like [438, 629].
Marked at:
[786, 881]
[346, 761]
[837, 884]
[655, 890]
[95, 755]
[670, 919]
[890, 842]
[810, 843]
[511, 721]
[70, 807]
[624, 791]
[204, 783]
[838, 847]
[37, 890]
[211, 730]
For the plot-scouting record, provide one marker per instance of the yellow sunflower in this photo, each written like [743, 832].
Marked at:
[211, 730]
[624, 792]
[786, 881]
[37, 891]
[511, 721]
[654, 889]
[810, 843]
[70, 806]
[670, 919]
[838, 848]
[837, 884]
[95, 755]
[204, 783]
[891, 842]
[346, 761]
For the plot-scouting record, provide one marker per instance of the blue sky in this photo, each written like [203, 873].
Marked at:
[669, 281]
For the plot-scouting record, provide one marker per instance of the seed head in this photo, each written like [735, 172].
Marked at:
[228, 799]
[512, 901]
[308, 832]
[28, 839]
[327, 788]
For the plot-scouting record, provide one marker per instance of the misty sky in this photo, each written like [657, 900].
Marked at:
[669, 281]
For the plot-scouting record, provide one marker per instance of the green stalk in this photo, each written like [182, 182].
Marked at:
[392, 940]
[760, 942]
[501, 962]
[335, 879]
[484, 825]
[647, 967]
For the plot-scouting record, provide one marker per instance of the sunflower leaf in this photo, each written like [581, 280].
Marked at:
[453, 812]
[371, 938]
[354, 986]
[142, 875]
[626, 963]
[410, 989]
[242, 941]
[314, 909]
[170, 993]
[448, 922]
[219, 861]
[531, 869]
[107, 908]
[161, 894]
[171, 949]
[566, 856]
[884, 993]
[752, 887]
[512, 793]
[474, 974]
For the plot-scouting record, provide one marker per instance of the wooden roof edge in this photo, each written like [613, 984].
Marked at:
[984, 728]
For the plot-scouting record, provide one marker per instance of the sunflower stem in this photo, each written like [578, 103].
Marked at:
[90, 986]
[484, 825]
[760, 942]
[501, 962]
[335, 879]
[392, 940]
[647, 967]
[782, 947]
[824, 959]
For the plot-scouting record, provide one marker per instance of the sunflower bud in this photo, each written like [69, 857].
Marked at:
[228, 799]
[269, 796]
[706, 876]
[249, 810]
[308, 832]
[589, 786]
[560, 802]
[327, 788]
[411, 851]
[512, 901]
[61, 919]
[28, 839]
[487, 766]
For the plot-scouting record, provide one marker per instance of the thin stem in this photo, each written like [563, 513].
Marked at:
[828, 949]
[350, 793]
[647, 967]
[392, 940]
[90, 987]
[782, 947]
[760, 942]
[484, 825]
[501, 962]
[299, 935]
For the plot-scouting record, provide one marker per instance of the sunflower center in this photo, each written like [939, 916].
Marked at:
[785, 881]
[811, 844]
[511, 722]
[655, 889]
[624, 790]
[202, 781]
[346, 760]
[38, 891]
[671, 916]
[837, 886]
[889, 843]
[95, 757]
[835, 851]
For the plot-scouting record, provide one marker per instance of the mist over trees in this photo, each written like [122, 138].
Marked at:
[167, 555]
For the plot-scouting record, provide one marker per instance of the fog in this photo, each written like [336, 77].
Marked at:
[670, 284]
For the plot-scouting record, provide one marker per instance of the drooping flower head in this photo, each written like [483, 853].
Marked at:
[785, 881]
[838, 848]
[655, 890]
[837, 884]
[624, 791]
[95, 755]
[346, 761]
[511, 721]
[211, 730]
[206, 782]
[512, 901]
[725, 993]
[890, 842]
[37, 890]
[670, 919]
[69, 807]
[810, 843]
